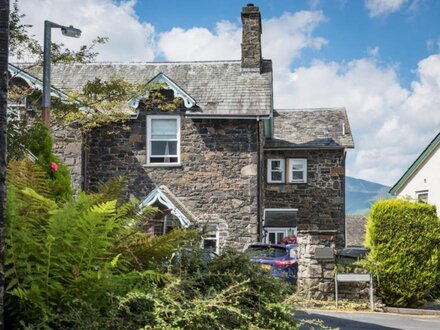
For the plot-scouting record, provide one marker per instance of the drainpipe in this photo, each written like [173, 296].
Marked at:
[259, 227]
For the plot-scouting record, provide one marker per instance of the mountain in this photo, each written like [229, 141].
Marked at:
[361, 194]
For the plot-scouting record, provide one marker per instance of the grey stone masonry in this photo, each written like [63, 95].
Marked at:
[216, 180]
[315, 277]
[320, 201]
[251, 57]
[67, 144]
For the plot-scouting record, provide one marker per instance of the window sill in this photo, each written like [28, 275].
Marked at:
[162, 165]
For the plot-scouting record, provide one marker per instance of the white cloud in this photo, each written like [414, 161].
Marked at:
[391, 124]
[378, 8]
[201, 44]
[130, 40]
[283, 39]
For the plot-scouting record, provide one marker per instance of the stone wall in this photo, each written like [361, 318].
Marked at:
[217, 178]
[320, 201]
[316, 276]
[67, 145]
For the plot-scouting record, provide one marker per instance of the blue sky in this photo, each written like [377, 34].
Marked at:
[401, 37]
[380, 59]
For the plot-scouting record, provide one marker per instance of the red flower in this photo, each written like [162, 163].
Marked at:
[54, 166]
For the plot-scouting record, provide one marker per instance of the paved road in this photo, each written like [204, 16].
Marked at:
[373, 321]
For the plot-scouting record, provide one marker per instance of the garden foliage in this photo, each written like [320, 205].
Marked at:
[404, 240]
[86, 264]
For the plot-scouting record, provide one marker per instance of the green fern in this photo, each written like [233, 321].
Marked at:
[90, 249]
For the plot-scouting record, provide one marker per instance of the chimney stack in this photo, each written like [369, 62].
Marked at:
[251, 59]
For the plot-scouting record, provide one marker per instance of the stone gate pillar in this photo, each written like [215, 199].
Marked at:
[316, 263]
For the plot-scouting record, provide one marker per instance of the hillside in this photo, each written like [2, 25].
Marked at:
[361, 194]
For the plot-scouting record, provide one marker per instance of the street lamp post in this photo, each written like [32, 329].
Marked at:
[68, 31]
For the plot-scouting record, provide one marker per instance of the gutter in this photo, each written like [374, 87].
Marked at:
[306, 148]
[256, 117]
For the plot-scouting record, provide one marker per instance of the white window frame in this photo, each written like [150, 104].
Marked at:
[149, 140]
[276, 230]
[270, 170]
[301, 161]
[214, 232]
[422, 192]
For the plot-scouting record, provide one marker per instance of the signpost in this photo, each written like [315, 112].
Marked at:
[351, 277]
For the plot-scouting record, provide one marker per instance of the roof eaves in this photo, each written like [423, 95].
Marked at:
[163, 78]
[36, 82]
[410, 171]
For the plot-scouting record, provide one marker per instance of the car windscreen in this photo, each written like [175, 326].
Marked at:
[266, 252]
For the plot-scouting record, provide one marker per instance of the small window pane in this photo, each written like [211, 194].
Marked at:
[297, 175]
[164, 129]
[280, 237]
[272, 238]
[276, 165]
[297, 166]
[210, 244]
[159, 148]
[276, 176]
[163, 160]
[422, 197]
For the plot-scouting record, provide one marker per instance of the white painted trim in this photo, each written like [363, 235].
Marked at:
[188, 114]
[157, 195]
[282, 170]
[149, 140]
[301, 161]
[275, 230]
[161, 78]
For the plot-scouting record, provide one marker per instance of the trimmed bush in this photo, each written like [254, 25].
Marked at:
[404, 240]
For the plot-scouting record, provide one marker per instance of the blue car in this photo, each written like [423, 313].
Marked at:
[280, 260]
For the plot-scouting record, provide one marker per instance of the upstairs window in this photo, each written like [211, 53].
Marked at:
[298, 170]
[275, 170]
[163, 139]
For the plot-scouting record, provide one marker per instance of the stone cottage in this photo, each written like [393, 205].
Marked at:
[226, 158]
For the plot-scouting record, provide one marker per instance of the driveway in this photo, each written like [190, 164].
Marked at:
[365, 320]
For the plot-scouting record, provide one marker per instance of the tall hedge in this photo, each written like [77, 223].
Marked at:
[404, 240]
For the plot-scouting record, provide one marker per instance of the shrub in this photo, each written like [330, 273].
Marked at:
[85, 264]
[40, 144]
[404, 240]
[78, 251]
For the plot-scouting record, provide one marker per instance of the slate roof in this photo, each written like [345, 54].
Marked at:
[220, 88]
[311, 128]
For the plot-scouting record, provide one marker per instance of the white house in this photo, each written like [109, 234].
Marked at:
[422, 179]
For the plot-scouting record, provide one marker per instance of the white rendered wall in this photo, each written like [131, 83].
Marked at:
[427, 177]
